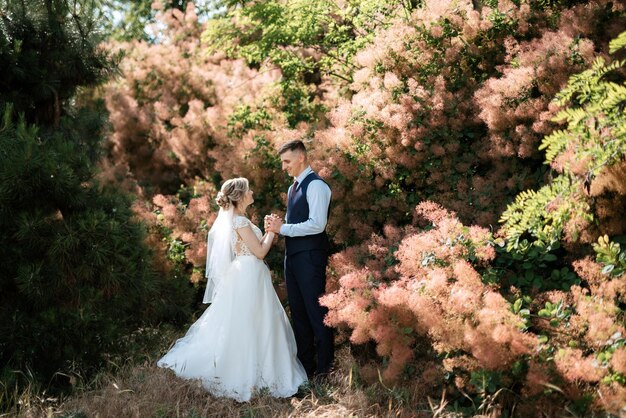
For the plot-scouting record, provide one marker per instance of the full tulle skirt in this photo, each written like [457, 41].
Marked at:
[242, 343]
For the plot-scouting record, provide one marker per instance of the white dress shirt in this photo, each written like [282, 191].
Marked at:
[318, 197]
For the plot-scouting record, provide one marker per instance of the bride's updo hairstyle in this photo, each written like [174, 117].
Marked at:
[232, 191]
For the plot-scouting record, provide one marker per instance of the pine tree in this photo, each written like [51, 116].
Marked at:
[76, 276]
[47, 50]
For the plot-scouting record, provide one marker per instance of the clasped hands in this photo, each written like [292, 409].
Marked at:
[272, 223]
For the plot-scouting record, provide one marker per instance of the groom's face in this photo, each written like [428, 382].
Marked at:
[293, 162]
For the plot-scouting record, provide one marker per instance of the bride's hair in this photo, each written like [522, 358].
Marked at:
[232, 191]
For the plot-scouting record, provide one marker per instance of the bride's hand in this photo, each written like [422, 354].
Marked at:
[273, 224]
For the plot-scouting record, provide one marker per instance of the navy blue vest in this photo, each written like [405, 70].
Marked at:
[297, 212]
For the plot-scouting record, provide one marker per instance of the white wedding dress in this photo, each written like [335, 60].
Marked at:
[242, 343]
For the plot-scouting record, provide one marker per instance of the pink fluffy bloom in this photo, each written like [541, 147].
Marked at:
[391, 81]
[618, 360]
[393, 296]
[574, 366]
[467, 276]
[160, 200]
[436, 31]
[537, 378]
[482, 347]
[169, 211]
[463, 300]
[354, 280]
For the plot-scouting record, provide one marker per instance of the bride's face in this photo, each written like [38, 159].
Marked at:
[248, 198]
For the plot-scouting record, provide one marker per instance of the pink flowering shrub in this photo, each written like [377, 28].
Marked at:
[440, 108]
[583, 344]
[169, 110]
[183, 121]
[422, 296]
[414, 284]
[450, 105]
[178, 226]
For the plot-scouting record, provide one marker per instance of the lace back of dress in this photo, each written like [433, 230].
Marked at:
[239, 246]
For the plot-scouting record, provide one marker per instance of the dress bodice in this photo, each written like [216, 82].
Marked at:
[239, 246]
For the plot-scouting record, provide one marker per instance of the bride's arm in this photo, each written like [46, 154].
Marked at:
[269, 236]
[258, 248]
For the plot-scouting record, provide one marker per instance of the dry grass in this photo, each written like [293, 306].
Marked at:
[147, 391]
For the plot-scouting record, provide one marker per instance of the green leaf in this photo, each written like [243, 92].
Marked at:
[544, 313]
[608, 269]
[549, 257]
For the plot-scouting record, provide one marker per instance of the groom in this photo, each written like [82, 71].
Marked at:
[306, 257]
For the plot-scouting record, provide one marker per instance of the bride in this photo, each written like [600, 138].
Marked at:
[243, 342]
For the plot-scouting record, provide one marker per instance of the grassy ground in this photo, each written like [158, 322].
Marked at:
[147, 391]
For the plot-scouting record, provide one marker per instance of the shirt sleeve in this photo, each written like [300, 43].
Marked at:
[318, 197]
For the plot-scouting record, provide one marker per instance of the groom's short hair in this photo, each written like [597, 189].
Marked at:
[295, 145]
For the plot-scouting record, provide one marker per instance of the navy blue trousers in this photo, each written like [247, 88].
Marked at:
[305, 274]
